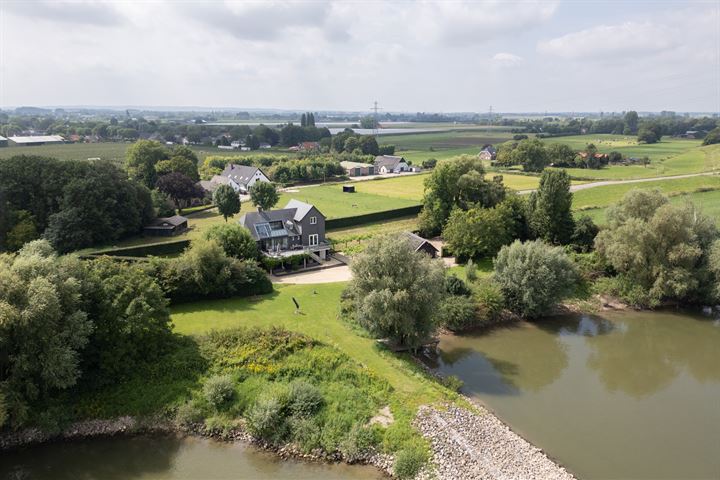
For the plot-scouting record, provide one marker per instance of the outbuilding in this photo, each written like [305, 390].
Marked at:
[166, 226]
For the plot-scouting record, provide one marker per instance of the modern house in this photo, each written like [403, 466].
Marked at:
[166, 226]
[488, 152]
[239, 177]
[357, 169]
[390, 164]
[296, 229]
[419, 244]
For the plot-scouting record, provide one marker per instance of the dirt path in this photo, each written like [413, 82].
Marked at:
[603, 183]
[327, 275]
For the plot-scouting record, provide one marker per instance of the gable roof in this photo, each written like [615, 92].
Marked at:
[390, 161]
[240, 174]
[174, 221]
[301, 209]
[416, 241]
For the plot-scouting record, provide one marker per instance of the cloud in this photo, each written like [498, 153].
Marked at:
[75, 12]
[629, 39]
[503, 59]
[259, 21]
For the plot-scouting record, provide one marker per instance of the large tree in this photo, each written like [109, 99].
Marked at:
[141, 159]
[660, 250]
[235, 239]
[531, 154]
[227, 201]
[550, 208]
[183, 160]
[396, 291]
[180, 188]
[264, 195]
[477, 233]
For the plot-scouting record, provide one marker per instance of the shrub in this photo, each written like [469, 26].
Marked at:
[456, 313]
[358, 442]
[453, 383]
[409, 461]
[304, 399]
[219, 390]
[534, 276]
[188, 414]
[455, 286]
[235, 240]
[306, 433]
[489, 300]
[265, 419]
[470, 271]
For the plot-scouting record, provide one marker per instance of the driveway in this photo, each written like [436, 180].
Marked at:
[327, 275]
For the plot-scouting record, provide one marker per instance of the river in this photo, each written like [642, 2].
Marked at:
[165, 457]
[623, 395]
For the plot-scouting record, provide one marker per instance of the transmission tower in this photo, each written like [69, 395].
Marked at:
[375, 109]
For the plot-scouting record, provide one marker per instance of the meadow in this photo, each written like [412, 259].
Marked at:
[114, 152]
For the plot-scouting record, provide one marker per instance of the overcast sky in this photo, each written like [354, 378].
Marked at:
[517, 56]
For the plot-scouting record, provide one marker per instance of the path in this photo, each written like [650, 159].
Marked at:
[604, 183]
[326, 275]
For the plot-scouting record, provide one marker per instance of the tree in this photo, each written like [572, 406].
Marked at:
[180, 188]
[179, 163]
[583, 237]
[227, 201]
[396, 291]
[659, 250]
[429, 163]
[444, 191]
[264, 195]
[476, 233]
[647, 135]
[368, 122]
[351, 144]
[369, 145]
[531, 154]
[236, 240]
[303, 120]
[561, 155]
[550, 208]
[631, 122]
[534, 276]
[141, 158]
[43, 328]
[712, 137]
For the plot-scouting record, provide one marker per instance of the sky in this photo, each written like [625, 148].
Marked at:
[431, 56]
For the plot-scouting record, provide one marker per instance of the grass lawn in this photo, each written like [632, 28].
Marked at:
[669, 157]
[320, 305]
[333, 203]
[709, 202]
[352, 240]
[610, 194]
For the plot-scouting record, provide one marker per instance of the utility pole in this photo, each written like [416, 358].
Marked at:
[375, 109]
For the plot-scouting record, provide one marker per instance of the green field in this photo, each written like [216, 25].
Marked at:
[353, 240]
[670, 157]
[421, 146]
[115, 152]
[320, 305]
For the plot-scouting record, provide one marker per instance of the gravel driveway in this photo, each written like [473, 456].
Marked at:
[327, 275]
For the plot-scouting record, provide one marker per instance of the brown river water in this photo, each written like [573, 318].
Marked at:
[631, 395]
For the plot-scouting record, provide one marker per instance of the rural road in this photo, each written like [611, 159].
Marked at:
[603, 183]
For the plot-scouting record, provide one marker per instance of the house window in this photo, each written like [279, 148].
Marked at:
[313, 220]
[313, 239]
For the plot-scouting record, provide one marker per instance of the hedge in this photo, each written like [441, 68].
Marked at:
[154, 249]
[343, 222]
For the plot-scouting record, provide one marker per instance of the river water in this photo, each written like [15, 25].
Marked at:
[631, 395]
[163, 458]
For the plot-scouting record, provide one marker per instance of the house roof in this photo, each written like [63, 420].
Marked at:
[390, 161]
[416, 241]
[38, 139]
[167, 222]
[264, 224]
[301, 208]
[346, 164]
[240, 174]
[2, 139]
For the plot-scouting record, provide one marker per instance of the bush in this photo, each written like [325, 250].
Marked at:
[470, 271]
[456, 313]
[534, 276]
[358, 442]
[409, 461]
[304, 398]
[489, 300]
[453, 383]
[265, 419]
[188, 414]
[455, 286]
[306, 433]
[219, 390]
[235, 240]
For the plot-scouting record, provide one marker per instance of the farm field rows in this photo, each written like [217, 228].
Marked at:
[114, 152]
[438, 145]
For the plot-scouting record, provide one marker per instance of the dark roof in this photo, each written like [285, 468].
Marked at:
[416, 241]
[293, 212]
[167, 222]
[240, 174]
[388, 161]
